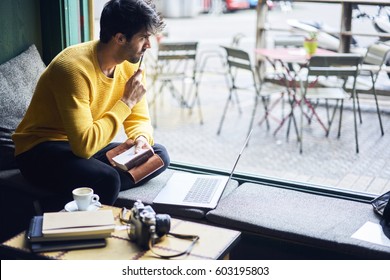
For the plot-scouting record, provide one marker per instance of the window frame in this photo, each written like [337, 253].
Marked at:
[242, 177]
[64, 23]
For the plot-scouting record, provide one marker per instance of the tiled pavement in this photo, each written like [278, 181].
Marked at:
[325, 161]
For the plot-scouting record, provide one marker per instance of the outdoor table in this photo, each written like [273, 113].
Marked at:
[285, 57]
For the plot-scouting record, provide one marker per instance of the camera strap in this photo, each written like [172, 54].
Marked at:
[155, 239]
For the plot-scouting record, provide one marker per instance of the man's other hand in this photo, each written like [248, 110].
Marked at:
[134, 89]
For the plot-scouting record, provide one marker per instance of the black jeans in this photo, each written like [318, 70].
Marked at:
[53, 166]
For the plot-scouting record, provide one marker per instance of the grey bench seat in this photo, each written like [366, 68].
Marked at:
[146, 193]
[298, 217]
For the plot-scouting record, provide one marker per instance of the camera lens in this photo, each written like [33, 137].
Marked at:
[163, 224]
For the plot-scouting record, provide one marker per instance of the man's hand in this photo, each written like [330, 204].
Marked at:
[141, 143]
[134, 89]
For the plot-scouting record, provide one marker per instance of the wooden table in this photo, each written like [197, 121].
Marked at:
[214, 243]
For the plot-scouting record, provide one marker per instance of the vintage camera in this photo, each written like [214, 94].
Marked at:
[146, 225]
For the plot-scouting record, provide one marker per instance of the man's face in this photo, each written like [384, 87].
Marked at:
[134, 48]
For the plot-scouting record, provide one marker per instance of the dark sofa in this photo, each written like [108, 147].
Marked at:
[19, 199]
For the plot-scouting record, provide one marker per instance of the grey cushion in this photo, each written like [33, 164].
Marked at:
[18, 78]
[147, 192]
[310, 219]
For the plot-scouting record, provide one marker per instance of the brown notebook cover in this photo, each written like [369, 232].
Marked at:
[141, 166]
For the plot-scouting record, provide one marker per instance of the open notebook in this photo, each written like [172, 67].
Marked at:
[196, 190]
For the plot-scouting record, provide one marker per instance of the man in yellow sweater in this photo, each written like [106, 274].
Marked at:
[81, 101]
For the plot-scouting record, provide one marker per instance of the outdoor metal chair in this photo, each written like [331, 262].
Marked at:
[238, 62]
[341, 66]
[217, 55]
[176, 71]
[372, 64]
[286, 73]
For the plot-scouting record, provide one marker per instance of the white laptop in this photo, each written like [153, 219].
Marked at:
[196, 190]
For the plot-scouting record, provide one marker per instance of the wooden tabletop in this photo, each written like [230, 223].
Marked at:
[214, 243]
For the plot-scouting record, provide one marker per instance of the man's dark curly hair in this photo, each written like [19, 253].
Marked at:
[129, 17]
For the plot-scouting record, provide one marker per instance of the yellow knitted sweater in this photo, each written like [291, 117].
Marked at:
[74, 101]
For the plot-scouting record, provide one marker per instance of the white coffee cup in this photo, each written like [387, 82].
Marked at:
[84, 197]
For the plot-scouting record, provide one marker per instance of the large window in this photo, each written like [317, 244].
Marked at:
[326, 162]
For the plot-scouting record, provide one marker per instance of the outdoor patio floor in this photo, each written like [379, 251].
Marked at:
[328, 161]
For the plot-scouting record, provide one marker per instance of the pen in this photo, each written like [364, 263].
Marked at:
[140, 61]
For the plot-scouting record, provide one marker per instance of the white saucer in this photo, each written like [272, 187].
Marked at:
[72, 206]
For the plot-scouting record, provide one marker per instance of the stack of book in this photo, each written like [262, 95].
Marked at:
[70, 230]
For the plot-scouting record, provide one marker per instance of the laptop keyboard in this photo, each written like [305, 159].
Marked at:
[202, 190]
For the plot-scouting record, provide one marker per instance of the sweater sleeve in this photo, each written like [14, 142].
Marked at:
[86, 134]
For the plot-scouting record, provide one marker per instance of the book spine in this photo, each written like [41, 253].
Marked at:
[30, 229]
[35, 229]
[139, 160]
[67, 245]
